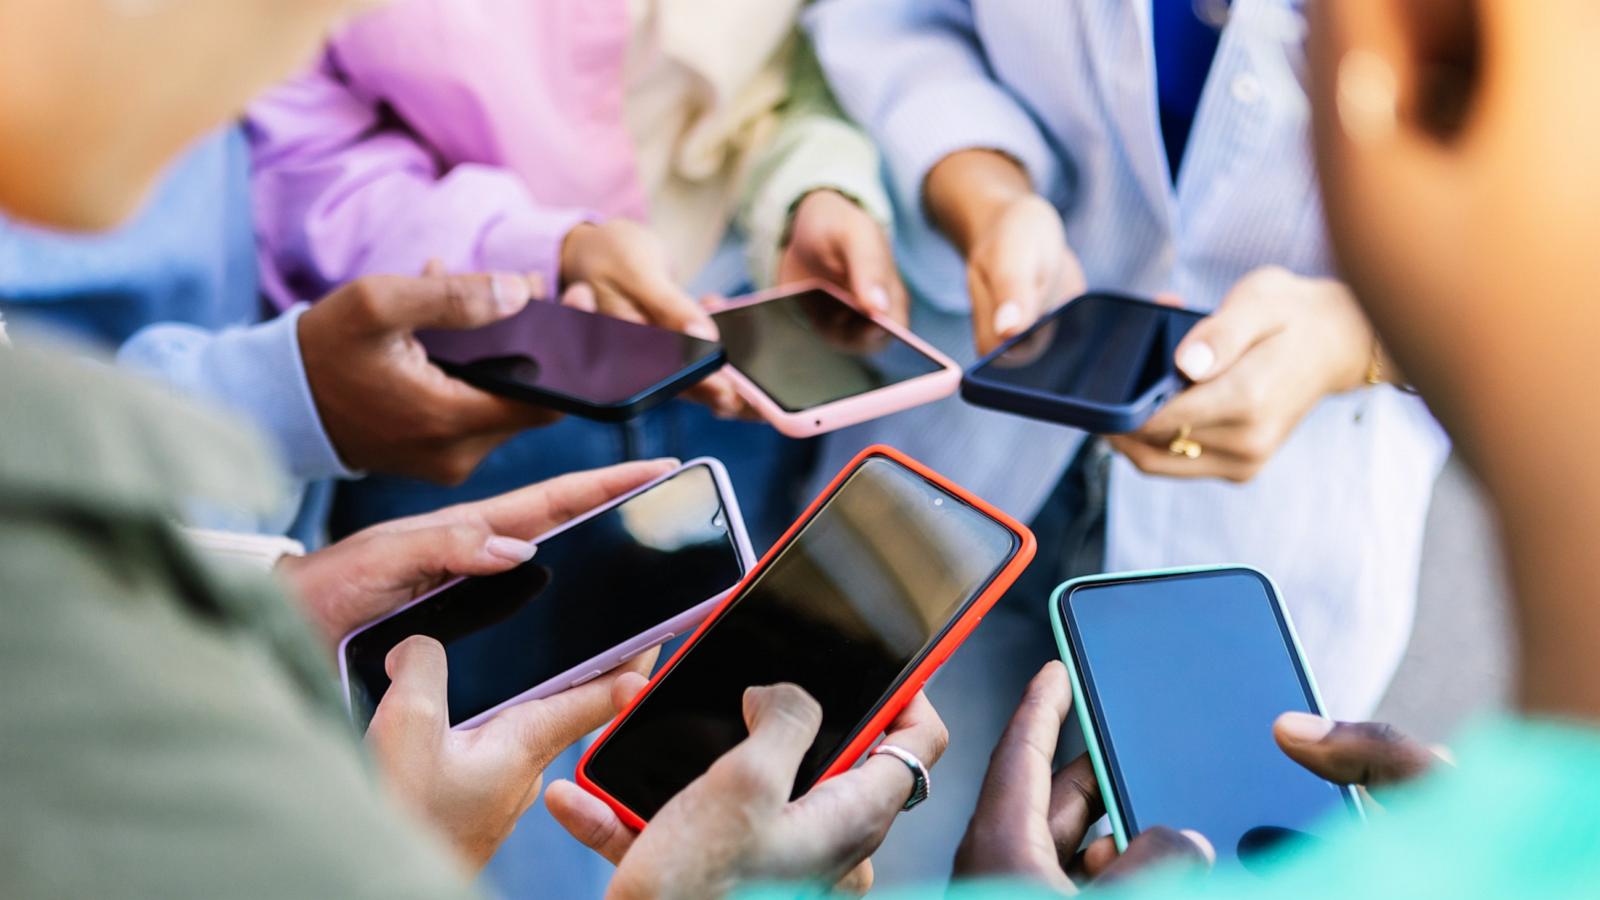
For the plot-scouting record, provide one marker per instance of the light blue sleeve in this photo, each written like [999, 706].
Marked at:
[915, 73]
[254, 370]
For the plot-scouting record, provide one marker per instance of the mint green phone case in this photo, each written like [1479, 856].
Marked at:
[1091, 738]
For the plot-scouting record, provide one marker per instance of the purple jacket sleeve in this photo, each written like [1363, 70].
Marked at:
[342, 189]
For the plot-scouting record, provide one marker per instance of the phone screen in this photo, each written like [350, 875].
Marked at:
[588, 590]
[1099, 348]
[596, 359]
[1185, 675]
[811, 348]
[845, 610]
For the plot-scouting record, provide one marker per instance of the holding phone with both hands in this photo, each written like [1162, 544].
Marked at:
[1177, 677]
[1102, 363]
[601, 589]
[812, 361]
[858, 604]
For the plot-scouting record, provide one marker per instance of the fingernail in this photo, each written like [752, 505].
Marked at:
[1008, 318]
[510, 292]
[672, 461]
[510, 549]
[878, 298]
[1203, 843]
[1304, 727]
[705, 331]
[1196, 360]
[1443, 754]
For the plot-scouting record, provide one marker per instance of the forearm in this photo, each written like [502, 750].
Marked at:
[964, 191]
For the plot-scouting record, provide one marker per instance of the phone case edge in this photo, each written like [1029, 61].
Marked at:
[896, 701]
[849, 411]
[614, 656]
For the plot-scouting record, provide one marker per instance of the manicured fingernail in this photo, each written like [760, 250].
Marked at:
[705, 331]
[878, 298]
[1008, 318]
[1444, 754]
[510, 549]
[510, 292]
[1304, 727]
[672, 461]
[1203, 843]
[1196, 360]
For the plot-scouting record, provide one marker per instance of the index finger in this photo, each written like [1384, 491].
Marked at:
[1366, 753]
[1017, 785]
[535, 509]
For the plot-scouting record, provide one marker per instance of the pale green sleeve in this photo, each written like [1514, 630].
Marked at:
[815, 147]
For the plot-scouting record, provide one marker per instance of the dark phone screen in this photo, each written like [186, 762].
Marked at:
[1186, 675]
[587, 590]
[844, 611]
[1098, 348]
[592, 358]
[811, 348]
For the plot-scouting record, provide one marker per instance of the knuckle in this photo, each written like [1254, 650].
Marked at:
[742, 776]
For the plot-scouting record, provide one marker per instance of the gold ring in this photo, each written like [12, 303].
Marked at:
[1183, 446]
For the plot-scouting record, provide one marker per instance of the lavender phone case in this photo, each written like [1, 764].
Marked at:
[682, 623]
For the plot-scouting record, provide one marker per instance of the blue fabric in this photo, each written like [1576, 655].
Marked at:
[188, 257]
[1184, 48]
[175, 294]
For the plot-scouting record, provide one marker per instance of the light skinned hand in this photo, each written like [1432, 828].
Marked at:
[473, 785]
[1019, 269]
[1019, 265]
[1030, 821]
[385, 406]
[832, 238]
[736, 823]
[375, 571]
[1276, 346]
[626, 273]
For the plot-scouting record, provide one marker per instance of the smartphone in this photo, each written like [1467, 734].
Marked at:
[600, 589]
[577, 362]
[880, 580]
[1177, 677]
[1102, 363]
[811, 361]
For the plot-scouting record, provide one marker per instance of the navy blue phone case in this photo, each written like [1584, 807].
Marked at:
[1078, 412]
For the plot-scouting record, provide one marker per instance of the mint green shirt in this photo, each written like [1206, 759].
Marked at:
[1519, 817]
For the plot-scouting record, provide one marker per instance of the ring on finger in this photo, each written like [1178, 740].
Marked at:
[1185, 446]
[919, 772]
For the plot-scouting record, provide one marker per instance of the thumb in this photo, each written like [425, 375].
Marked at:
[1016, 294]
[869, 266]
[547, 726]
[1245, 318]
[1160, 846]
[457, 302]
[783, 721]
[414, 714]
[1365, 753]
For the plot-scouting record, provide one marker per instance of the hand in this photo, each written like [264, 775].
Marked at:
[832, 238]
[736, 823]
[1276, 346]
[1018, 263]
[376, 571]
[385, 407]
[474, 785]
[1029, 823]
[625, 273]
[1368, 754]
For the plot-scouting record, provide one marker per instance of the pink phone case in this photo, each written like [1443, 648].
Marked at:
[851, 410]
[682, 623]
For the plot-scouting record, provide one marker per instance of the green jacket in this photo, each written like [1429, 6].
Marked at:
[166, 729]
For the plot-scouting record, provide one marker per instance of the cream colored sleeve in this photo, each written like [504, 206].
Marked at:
[814, 147]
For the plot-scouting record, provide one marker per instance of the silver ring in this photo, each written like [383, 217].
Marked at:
[919, 772]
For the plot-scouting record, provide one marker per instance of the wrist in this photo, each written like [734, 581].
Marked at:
[968, 190]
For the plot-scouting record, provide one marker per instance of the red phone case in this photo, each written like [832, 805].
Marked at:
[874, 727]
